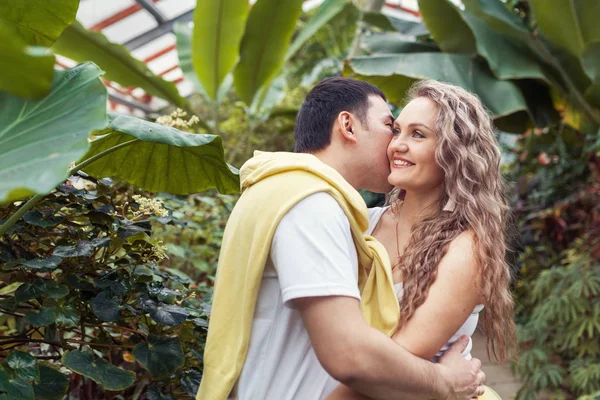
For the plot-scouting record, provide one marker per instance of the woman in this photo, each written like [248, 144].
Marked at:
[445, 226]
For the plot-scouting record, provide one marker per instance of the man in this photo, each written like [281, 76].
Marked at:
[287, 307]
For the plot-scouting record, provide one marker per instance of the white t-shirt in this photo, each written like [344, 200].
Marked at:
[468, 328]
[312, 254]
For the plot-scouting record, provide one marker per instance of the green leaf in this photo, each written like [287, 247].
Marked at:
[572, 25]
[391, 42]
[269, 29]
[100, 371]
[162, 159]
[591, 65]
[190, 381]
[39, 139]
[33, 78]
[447, 27]
[79, 44]
[389, 23]
[66, 314]
[81, 249]
[52, 386]
[154, 392]
[39, 22]
[25, 365]
[161, 356]
[56, 290]
[183, 34]
[105, 307]
[29, 291]
[327, 11]
[37, 219]
[15, 388]
[44, 317]
[507, 58]
[218, 30]
[396, 73]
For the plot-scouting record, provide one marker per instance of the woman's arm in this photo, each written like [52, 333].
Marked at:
[450, 301]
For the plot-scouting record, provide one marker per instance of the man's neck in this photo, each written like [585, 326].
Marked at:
[341, 165]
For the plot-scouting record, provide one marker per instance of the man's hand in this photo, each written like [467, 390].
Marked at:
[464, 378]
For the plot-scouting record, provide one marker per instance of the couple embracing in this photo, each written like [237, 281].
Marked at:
[318, 297]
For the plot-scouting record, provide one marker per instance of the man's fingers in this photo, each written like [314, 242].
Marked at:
[459, 346]
[480, 391]
[480, 378]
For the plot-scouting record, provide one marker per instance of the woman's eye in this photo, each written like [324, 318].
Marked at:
[418, 135]
[395, 131]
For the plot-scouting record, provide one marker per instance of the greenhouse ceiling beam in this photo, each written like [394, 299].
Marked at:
[154, 10]
[117, 17]
[121, 100]
[157, 32]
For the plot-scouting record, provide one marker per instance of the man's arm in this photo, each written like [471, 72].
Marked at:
[370, 362]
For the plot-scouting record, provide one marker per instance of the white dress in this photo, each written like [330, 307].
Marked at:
[468, 328]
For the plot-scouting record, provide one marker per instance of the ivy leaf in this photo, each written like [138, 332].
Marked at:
[52, 386]
[161, 355]
[105, 307]
[15, 388]
[132, 228]
[36, 218]
[44, 317]
[169, 315]
[100, 242]
[25, 365]
[29, 291]
[154, 393]
[55, 290]
[9, 303]
[43, 264]
[82, 249]
[66, 314]
[100, 371]
[190, 381]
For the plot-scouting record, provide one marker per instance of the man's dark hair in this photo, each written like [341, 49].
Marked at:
[322, 106]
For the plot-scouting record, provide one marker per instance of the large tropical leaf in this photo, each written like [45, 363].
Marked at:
[394, 74]
[24, 71]
[39, 139]
[447, 27]
[591, 64]
[572, 24]
[392, 42]
[218, 30]
[389, 23]
[39, 22]
[458, 31]
[79, 44]
[327, 11]
[183, 33]
[161, 158]
[270, 26]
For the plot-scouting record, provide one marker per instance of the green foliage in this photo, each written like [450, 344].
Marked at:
[87, 294]
[558, 294]
[79, 44]
[40, 138]
[160, 158]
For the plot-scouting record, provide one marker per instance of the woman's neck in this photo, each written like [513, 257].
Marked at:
[417, 206]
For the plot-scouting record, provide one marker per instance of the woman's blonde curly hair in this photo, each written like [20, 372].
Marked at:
[469, 154]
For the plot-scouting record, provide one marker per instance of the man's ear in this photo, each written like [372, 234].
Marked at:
[346, 125]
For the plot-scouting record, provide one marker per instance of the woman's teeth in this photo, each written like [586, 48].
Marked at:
[402, 163]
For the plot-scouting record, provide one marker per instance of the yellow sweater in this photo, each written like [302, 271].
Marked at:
[272, 183]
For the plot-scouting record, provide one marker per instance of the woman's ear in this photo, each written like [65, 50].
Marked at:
[346, 126]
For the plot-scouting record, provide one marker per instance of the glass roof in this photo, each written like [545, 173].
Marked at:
[145, 28]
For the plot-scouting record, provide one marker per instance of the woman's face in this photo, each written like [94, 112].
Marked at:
[412, 149]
